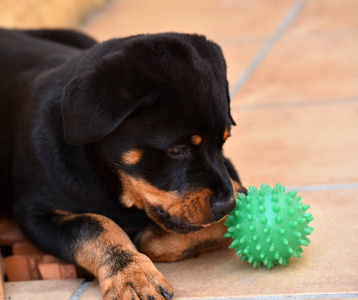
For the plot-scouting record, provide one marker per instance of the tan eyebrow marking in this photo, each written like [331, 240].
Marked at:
[196, 140]
[132, 157]
[226, 134]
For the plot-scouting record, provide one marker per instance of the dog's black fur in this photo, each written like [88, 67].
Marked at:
[84, 124]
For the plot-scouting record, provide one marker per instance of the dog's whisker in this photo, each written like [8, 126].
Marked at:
[180, 209]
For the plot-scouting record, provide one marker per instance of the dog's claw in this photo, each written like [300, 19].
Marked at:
[165, 294]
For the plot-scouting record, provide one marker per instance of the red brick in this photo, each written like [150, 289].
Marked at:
[2, 271]
[50, 271]
[22, 267]
[2, 267]
[57, 271]
[49, 259]
[68, 271]
[25, 248]
[9, 232]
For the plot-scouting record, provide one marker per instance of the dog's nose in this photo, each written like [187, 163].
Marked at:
[222, 207]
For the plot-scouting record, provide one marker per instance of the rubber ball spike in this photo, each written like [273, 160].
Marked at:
[273, 225]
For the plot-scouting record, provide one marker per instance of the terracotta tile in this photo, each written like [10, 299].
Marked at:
[323, 16]
[238, 58]
[227, 19]
[45, 14]
[41, 289]
[328, 265]
[315, 68]
[306, 145]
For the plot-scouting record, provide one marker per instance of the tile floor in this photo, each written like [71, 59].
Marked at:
[293, 72]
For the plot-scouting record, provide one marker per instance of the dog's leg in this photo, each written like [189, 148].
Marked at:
[97, 244]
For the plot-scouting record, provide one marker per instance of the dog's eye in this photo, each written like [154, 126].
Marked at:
[178, 152]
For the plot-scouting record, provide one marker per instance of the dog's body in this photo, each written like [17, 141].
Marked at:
[116, 140]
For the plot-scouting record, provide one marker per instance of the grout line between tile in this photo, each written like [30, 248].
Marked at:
[294, 104]
[283, 297]
[96, 13]
[79, 292]
[270, 42]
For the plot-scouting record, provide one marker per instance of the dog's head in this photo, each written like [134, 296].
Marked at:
[157, 107]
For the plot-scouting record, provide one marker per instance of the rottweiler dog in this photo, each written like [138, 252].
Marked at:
[112, 153]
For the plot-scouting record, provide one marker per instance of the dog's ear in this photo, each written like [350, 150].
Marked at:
[220, 69]
[228, 101]
[95, 103]
[213, 53]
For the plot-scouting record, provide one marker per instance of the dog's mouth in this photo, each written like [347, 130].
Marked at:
[172, 211]
[172, 223]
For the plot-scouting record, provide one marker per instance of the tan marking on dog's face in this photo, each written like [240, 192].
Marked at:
[137, 192]
[226, 134]
[132, 157]
[196, 140]
[192, 209]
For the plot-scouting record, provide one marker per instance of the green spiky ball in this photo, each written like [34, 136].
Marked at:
[268, 226]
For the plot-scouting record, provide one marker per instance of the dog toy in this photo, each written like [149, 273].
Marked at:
[268, 226]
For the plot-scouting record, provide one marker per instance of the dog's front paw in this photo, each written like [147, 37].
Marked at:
[140, 279]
